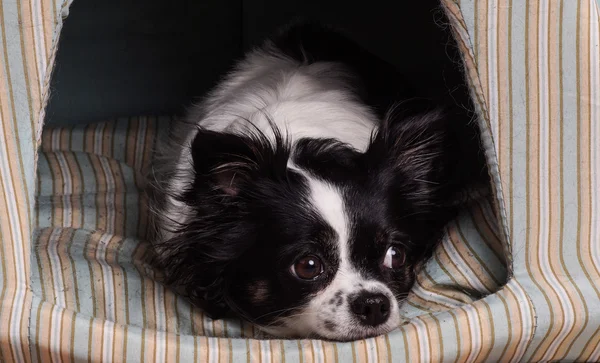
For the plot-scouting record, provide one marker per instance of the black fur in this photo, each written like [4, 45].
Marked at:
[378, 84]
[250, 214]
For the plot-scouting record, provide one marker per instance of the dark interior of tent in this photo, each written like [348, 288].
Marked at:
[154, 57]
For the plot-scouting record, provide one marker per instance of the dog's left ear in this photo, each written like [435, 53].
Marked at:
[418, 146]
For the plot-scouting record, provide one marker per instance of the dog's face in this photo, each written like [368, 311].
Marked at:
[313, 239]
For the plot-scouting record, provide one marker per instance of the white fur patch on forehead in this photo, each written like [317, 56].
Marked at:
[328, 201]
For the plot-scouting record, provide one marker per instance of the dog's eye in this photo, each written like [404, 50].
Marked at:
[307, 268]
[394, 258]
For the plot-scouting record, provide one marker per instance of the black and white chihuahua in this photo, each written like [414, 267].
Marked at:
[302, 196]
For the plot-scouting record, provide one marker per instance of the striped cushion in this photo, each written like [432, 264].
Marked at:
[89, 250]
[534, 69]
[28, 37]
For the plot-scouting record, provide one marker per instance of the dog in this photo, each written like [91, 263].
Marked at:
[306, 190]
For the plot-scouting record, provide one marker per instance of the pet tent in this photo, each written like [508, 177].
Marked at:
[517, 277]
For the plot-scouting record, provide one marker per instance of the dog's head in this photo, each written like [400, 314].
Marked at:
[314, 239]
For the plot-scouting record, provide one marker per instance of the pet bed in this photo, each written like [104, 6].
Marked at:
[516, 277]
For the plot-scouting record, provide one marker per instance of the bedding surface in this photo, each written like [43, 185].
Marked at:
[88, 255]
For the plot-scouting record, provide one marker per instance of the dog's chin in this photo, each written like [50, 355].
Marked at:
[351, 334]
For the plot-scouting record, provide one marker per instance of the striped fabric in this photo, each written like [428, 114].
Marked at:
[88, 263]
[79, 290]
[28, 34]
[534, 69]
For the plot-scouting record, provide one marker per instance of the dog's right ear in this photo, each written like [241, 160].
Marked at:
[224, 162]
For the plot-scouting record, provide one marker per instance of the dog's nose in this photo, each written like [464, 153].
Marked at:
[371, 308]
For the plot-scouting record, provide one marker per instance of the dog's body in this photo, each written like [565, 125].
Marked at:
[297, 198]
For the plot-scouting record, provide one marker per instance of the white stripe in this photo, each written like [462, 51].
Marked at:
[98, 131]
[524, 308]
[213, 350]
[595, 143]
[428, 295]
[371, 348]
[55, 339]
[101, 251]
[492, 63]
[39, 41]
[67, 188]
[595, 132]
[422, 340]
[107, 341]
[475, 342]
[56, 268]
[161, 324]
[140, 142]
[470, 275]
[207, 326]
[265, 351]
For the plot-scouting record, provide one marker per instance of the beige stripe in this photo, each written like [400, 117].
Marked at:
[34, 334]
[472, 259]
[120, 341]
[101, 184]
[433, 341]
[46, 139]
[591, 352]
[403, 330]
[481, 46]
[43, 236]
[65, 335]
[507, 311]
[48, 23]
[580, 306]
[77, 185]
[383, 354]
[21, 200]
[448, 291]
[413, 351]
[450, 266]
[57, 183]
[170, 354]
[488, 332]
[21, 197]
[438, 353]
[503, 94]
[255, 350]
[77, 191]
[92, 244]
[130, 144]
[29, 68]
[112, 249]
[533, 214]
[197, 318]
[510, 136]
[525, 318]
[488, 235]
[463, 334]
[555, 185]
[43, 337]
[68, 274]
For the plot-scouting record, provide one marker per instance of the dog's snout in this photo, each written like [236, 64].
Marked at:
[371, 308]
